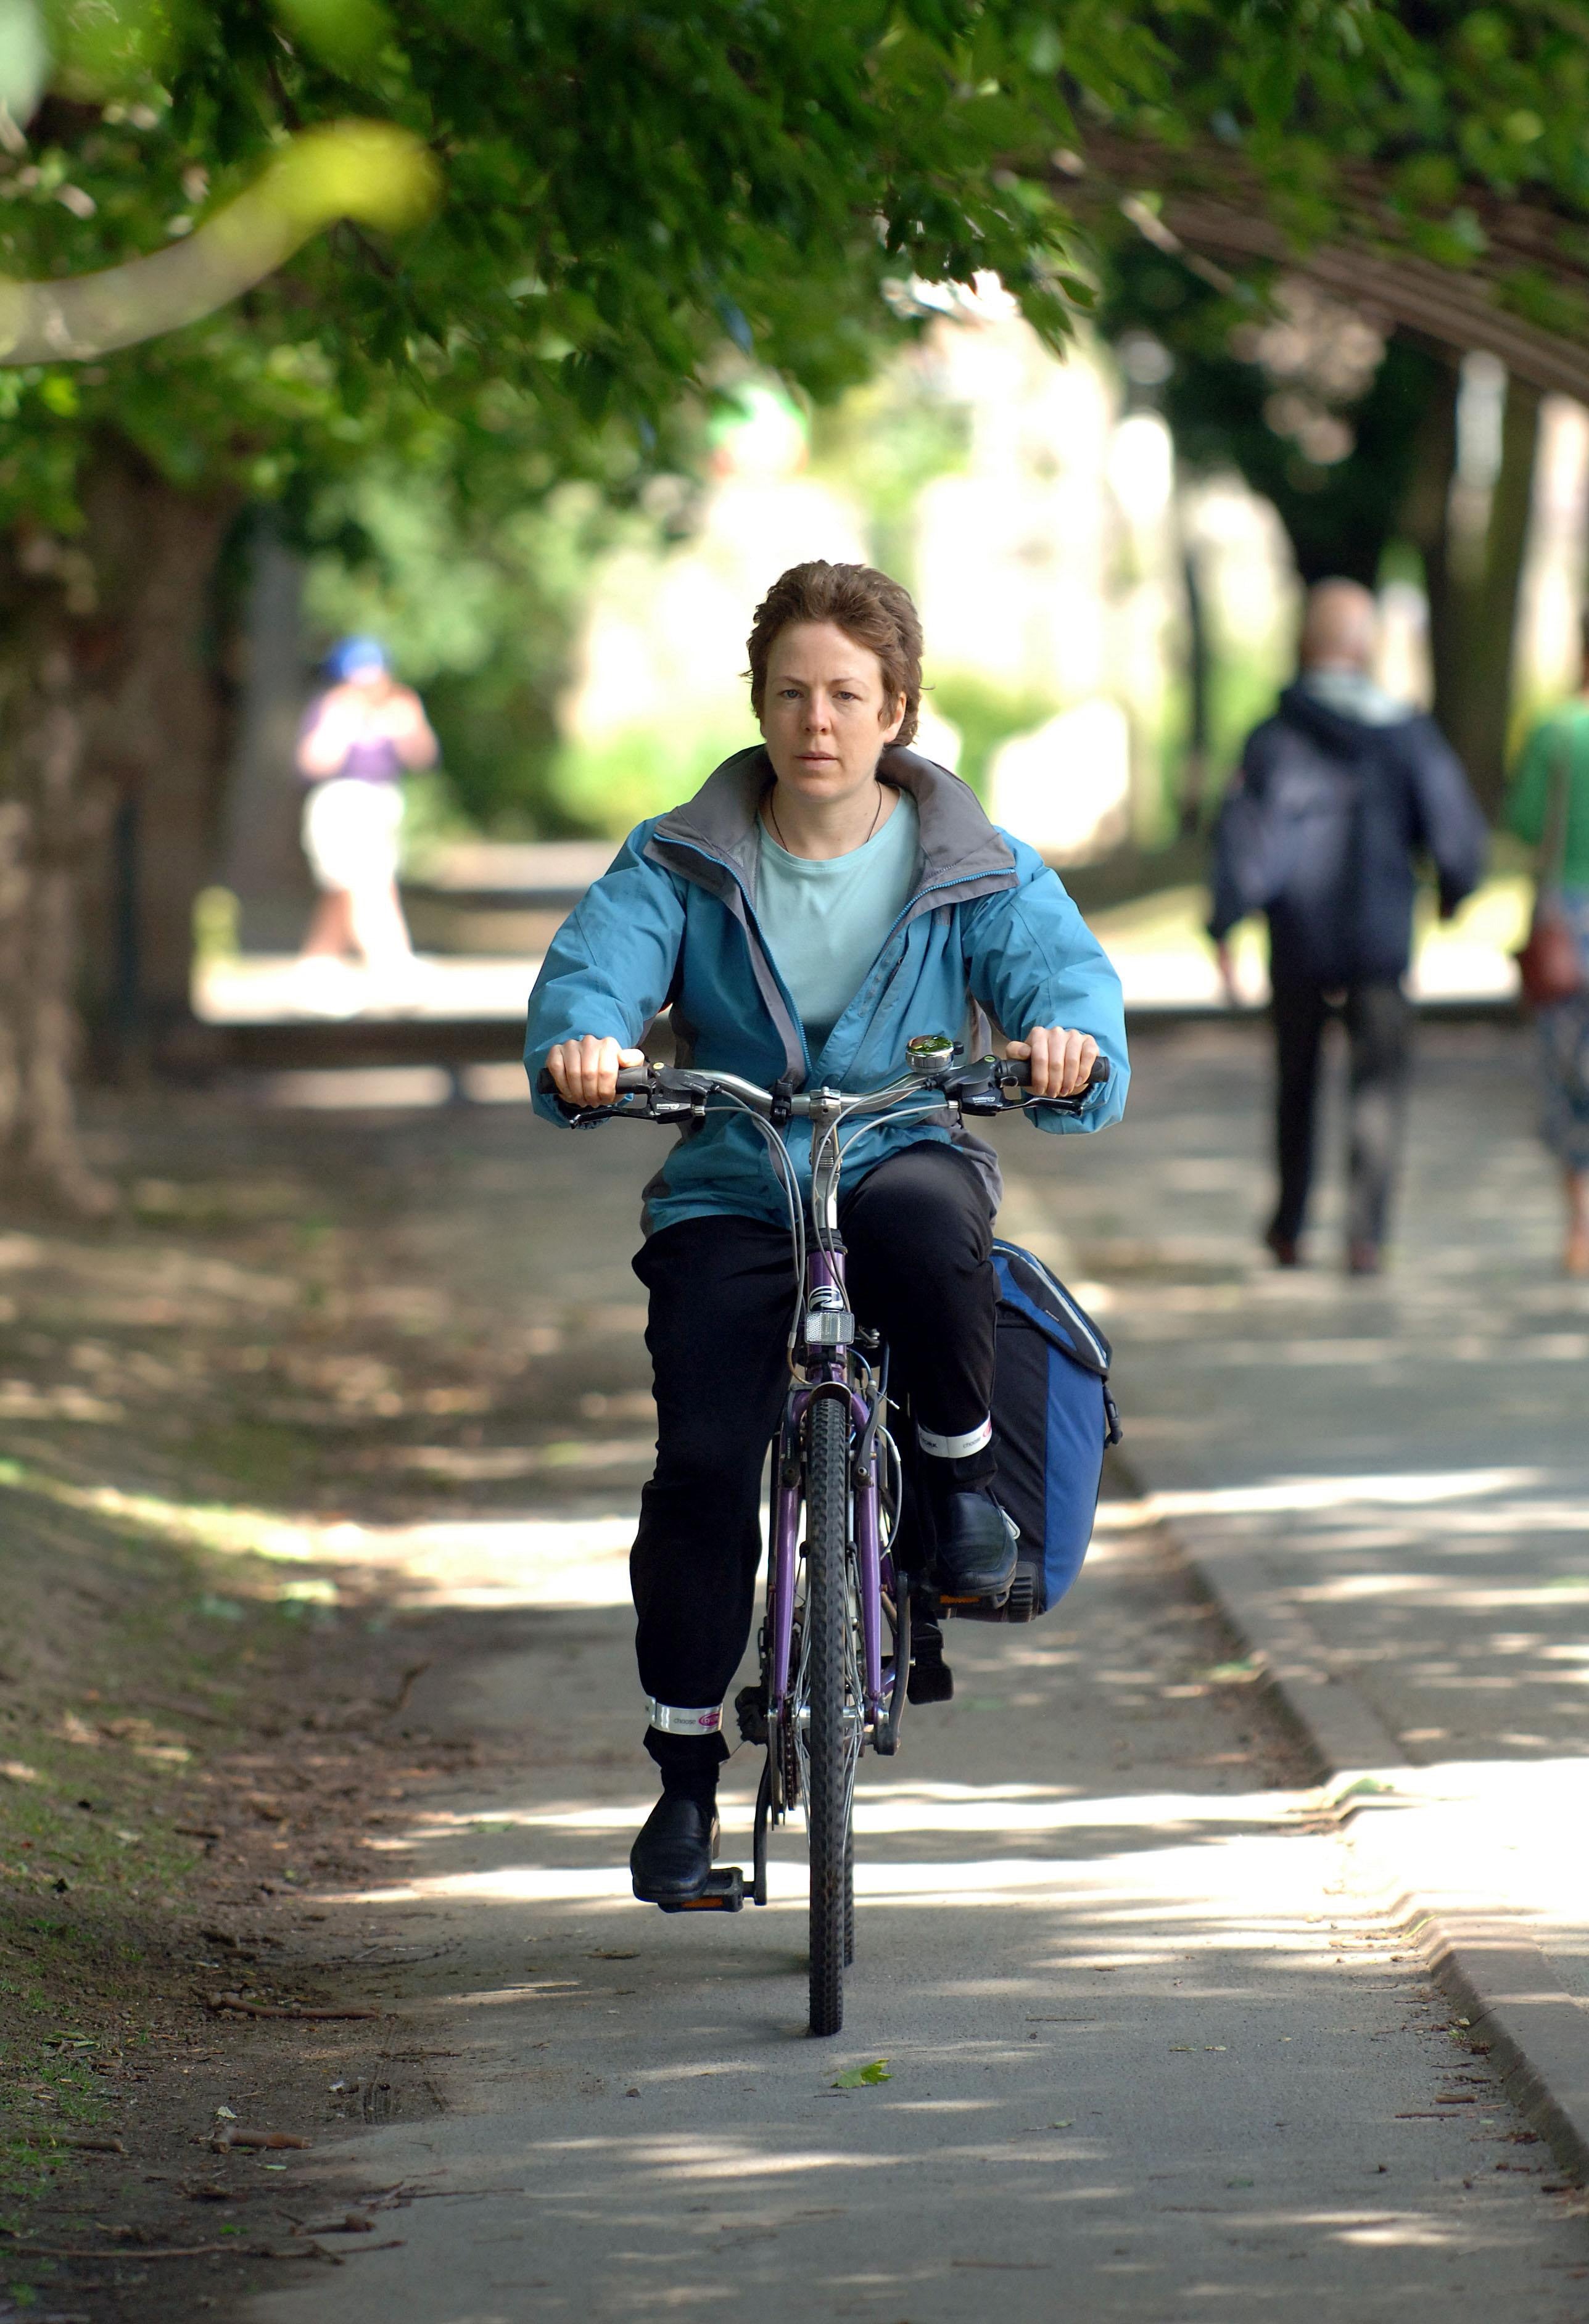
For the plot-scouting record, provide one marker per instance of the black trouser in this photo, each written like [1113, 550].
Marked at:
[918, 1233]
[1379, 1028]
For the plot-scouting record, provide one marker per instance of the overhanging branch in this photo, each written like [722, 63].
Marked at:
[1208, 208]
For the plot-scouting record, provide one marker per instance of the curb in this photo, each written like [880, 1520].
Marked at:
[1516, 2006]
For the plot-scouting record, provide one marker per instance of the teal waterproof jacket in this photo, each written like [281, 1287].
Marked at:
[988, 926]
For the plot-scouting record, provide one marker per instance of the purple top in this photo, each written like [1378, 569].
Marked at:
[374, 762]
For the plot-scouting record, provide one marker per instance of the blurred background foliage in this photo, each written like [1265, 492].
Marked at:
[463, 426]
[481, 611]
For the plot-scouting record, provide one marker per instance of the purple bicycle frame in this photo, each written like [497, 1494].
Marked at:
[828, 1377]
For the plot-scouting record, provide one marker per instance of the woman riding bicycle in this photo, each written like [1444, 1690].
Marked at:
[823, 898]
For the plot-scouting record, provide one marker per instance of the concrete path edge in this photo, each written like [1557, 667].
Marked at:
[1514, 2003]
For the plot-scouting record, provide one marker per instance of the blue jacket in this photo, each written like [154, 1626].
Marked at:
[987, 927]
[1322, 829]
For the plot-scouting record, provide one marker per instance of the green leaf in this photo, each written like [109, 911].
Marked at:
[859, 2078]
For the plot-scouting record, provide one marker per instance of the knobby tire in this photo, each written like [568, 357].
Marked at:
[828, 1618]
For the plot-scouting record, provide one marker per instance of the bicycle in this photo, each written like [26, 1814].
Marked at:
[827, 1688]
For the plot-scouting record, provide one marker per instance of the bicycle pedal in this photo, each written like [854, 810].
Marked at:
[724, 1892]
[750, 1707]
[930, 1681]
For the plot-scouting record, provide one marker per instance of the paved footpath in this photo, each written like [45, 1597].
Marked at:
[1152, 2058]
[1387, 1481]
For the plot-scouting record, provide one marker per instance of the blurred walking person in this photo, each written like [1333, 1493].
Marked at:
[359, 738]
[1338, 797]
[1549, 805]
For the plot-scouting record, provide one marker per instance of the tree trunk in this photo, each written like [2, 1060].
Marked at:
[1493, 601]
[156, 735]
[109, 749]
[1195, 762]
[261, 858]
[1423, 520]
[50, 818]
[1473, 588]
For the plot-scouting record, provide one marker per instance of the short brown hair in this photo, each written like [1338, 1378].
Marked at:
[863, 602]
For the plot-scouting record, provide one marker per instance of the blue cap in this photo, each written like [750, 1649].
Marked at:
[356, 657]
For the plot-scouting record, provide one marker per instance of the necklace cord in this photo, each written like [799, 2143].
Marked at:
[777, 834]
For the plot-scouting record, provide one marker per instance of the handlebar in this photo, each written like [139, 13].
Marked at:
[676, 1092]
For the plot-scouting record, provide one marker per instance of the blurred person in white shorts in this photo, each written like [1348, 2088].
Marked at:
[359, 738]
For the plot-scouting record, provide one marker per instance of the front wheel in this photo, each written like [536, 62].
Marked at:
[827, 1527]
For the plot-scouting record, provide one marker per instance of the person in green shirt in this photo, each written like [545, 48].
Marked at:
[1549, 805]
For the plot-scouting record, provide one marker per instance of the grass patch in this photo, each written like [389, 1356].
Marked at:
[125, 1678]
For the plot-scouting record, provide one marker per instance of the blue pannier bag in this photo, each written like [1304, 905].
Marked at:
[1053, 1417]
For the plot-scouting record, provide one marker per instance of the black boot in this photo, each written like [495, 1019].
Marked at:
[672, 1859]
[975, 1546]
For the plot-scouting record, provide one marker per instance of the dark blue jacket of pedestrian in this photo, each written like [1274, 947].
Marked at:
[1324, 827]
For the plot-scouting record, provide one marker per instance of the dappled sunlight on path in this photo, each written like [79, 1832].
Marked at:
[1402, 1463]
[1147, 2054]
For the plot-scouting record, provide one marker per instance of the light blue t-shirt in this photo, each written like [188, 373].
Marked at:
[825, 923]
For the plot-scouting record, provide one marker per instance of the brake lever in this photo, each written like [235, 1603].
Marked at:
[980, 1089]
[975, 1089]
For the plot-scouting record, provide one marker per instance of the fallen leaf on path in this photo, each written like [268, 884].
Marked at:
[856, 2078]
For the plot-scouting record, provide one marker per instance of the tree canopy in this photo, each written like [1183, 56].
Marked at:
[1428, 160]
[625, 192]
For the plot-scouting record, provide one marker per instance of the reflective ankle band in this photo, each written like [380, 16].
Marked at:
[954, 1448]
[667, 1718]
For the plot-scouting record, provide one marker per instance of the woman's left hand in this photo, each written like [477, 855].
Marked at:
[1060, 1061]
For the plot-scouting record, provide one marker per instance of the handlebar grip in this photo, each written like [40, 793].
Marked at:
[1015, 1072]
[632, 1080]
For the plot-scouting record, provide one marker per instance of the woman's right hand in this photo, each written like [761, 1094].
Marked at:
[587, 1071]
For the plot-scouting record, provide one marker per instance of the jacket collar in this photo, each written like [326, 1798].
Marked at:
[958, 840]
[1333, 727]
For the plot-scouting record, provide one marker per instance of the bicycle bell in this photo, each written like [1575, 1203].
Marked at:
[928, 1053]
